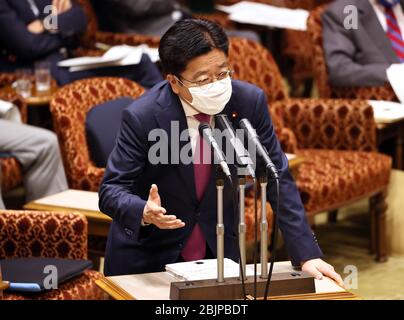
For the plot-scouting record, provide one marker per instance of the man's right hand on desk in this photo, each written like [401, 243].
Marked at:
[154, 213]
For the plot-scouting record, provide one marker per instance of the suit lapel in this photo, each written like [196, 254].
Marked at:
[172, 113]
[376, 33]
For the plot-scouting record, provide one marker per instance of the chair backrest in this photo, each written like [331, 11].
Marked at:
[69, 110]
[25, 234]
[254, 64]
[320, 70]
[88, 38]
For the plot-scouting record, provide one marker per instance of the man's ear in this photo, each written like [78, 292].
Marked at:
[172, 80]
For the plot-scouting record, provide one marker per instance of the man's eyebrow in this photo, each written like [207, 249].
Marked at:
[200, 73]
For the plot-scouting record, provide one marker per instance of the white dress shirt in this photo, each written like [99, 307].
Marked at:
[193, 123]
[381, 15]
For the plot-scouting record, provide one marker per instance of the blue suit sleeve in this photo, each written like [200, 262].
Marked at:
[125, 164]
[300, 241]
[72, 22]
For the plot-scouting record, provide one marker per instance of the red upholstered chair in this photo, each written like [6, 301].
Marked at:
[321, 73]
[295, 44]
[336, 137]
[11, 170]
[69, 108]
[26, 234]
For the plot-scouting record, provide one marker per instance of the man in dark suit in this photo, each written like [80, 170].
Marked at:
[165, 211]
[26, 37]
[358, 57]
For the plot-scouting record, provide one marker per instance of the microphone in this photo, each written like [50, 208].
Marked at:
[253, 138]
[206, 132]
[242, 155]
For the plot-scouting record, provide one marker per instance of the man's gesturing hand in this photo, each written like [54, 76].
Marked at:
[154, 213]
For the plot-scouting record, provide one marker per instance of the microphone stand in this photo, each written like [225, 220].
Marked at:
[242, 228]
[264, 228]
[220, 225]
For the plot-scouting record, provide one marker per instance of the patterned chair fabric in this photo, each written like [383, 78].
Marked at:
[11, 170]
[337, 139]
[49, 235]
[69, 108]
[321, 74]
[328, 179]
[6, 79]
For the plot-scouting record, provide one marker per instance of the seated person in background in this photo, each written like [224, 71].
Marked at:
[24, 39]
[178, 200]
[38, 152]
[147, 17]
[360, 57]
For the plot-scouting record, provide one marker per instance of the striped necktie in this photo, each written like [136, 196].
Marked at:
[195, 248]
[394, 32]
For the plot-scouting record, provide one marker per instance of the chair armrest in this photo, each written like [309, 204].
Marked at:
[385, 92]
[7, 79]
[330, 124]
[129, 39]
[17, 100]
[43, 234]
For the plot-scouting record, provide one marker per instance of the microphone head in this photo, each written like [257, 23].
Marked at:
[245, 124]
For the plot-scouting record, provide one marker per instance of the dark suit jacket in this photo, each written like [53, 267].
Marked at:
[148, 17]
[132, 248]
[356, 58]
[26, 47]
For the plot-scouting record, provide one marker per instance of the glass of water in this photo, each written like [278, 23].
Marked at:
[42, 76]
[23, 83]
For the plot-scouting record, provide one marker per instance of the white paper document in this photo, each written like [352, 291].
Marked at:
[122, 55]
[387, 111]
[395, 74]
[266, 15]
[74, 199]
[9, 111]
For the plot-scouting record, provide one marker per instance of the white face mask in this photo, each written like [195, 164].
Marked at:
[211, 98]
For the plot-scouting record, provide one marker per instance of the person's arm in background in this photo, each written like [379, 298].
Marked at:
[300, 241]
[340, 51]
[30, 42]
[72, 20]
[140, 8]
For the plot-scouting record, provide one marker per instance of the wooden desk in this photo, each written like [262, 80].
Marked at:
[156, 286]
[393, 131]
[3, 285]
[76, 200]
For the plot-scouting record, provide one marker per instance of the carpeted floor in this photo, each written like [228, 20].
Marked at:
[346, 243]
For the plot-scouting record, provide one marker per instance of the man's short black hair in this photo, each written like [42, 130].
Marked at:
[188, 39]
